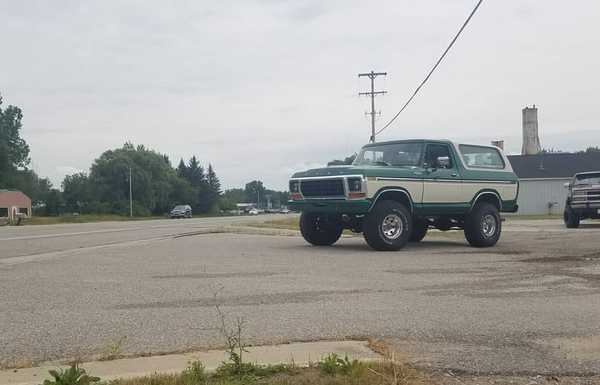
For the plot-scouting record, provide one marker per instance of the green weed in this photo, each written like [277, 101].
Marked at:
[72, 376]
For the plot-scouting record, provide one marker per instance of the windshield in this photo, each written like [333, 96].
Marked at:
[180, 208]
[396, 155]
[587, 179]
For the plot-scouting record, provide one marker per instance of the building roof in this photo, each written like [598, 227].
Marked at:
[554, 165]
[9, 198]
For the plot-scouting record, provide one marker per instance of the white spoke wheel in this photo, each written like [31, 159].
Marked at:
[392, 226]
[483, 225]
[388, 226]
[488, 226]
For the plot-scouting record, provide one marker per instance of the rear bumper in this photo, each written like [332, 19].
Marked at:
[339, 206]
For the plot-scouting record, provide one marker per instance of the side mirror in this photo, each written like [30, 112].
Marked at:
[567, 185]
[443, 162]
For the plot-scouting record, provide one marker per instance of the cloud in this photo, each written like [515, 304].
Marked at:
[260, 88]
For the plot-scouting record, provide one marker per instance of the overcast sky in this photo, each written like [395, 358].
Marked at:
[262, 88]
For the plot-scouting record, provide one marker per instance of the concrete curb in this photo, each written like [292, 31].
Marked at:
[301, 354]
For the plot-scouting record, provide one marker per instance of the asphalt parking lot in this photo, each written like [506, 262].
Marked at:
[529, 305]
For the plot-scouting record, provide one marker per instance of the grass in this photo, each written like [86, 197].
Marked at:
[287, 223]
[338, 372]
[84, 218]
[87, 218]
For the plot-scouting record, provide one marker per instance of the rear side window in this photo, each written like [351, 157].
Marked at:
[481, 157]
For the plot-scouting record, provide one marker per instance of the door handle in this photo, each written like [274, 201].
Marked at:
[454, 175]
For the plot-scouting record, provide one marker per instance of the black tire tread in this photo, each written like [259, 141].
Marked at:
[324, 236]
[371, 226]
[472, 225]
[571, 219]
[419, 231]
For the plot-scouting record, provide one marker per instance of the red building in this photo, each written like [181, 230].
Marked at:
[14, 202]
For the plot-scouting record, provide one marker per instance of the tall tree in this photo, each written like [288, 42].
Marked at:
[255, 192]
[182, 170]
[77, 192]
[214, 188]
[213, 180]
[14, 151]
[151, 180]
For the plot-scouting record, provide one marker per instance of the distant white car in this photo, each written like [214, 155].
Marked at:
[253, 212]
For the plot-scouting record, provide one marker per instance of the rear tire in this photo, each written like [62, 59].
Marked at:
[483, 225]
[419, 230]
[319, 231]
[571, 218]
[388, 226]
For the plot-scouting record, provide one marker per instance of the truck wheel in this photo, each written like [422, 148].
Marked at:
[483, 225]
[419, 231]
[571, 218]
[388, 226]
[318, 231]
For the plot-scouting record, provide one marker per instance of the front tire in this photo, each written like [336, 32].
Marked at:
[571, 218]
[483, 225]
[318, 230]
[388, 226]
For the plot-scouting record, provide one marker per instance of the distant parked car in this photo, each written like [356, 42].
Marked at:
[583, 199]
[284, 211]
[181, 211]
[253, 212]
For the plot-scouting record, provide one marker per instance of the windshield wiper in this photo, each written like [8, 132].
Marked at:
[382, 163]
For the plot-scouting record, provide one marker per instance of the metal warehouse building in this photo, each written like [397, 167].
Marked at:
[542, 177]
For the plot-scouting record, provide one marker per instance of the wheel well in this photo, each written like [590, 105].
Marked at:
[488, 197]
[397, 195]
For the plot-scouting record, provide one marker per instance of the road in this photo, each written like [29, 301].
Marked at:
[529, 305]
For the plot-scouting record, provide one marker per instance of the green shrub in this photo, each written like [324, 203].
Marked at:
[72, 376]
[194, 374]
[249, 372]
[334, 364]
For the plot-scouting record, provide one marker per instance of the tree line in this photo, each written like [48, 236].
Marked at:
[156, 186]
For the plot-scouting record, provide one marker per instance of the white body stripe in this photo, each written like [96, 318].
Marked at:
[446, 191]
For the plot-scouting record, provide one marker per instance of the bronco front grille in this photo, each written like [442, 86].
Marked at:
[322, 188]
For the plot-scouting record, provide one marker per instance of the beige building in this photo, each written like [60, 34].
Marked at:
[14, 202]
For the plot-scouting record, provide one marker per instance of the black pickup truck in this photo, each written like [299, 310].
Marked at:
[583, 199]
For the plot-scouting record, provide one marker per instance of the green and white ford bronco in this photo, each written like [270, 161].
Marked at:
[395, 191]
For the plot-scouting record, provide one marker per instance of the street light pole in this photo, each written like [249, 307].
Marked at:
[257, 195]
[130, 195]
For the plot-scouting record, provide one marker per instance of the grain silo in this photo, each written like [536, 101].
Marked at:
[531, 139]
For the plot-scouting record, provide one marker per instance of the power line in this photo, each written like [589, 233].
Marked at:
[432, 69]
[372, 75]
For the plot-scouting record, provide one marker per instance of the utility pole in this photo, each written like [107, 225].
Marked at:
[372, 75]
[257, 195]
[130, 195]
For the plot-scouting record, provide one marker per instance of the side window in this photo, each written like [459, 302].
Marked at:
[481, 157]
[436, 155]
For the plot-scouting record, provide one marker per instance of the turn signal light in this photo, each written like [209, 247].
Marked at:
[296, 196]
[356, 195]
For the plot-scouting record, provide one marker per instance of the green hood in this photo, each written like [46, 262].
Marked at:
[380, 171]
